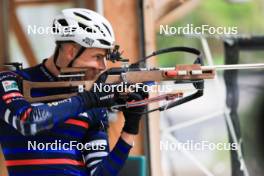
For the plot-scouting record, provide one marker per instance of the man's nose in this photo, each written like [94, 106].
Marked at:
[102, 64]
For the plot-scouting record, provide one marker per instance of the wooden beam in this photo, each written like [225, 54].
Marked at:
[40, 2]
[89, 4]
[21, 37]
[3, 58]
[3, 170]
[178, 13]
[2, 34]
[124, 19]
[167, 7]
[154, 118]
[3, 31]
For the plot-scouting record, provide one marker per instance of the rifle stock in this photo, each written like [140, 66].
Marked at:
[180, 72]
[28, 86]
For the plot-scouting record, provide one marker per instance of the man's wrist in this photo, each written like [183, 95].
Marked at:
[131, 125]
[128, 138]
[89, 99]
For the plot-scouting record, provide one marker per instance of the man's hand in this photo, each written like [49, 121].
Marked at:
[133, 115]
[96, 99]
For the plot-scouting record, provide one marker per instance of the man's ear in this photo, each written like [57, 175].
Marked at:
[70, 50]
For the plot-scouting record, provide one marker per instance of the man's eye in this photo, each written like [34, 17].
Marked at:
[99, 57]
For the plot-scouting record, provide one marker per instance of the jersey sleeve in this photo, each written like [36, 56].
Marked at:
[30, 119]
[99, 160]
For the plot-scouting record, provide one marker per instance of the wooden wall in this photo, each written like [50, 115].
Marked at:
[123, 17]
[3, 55]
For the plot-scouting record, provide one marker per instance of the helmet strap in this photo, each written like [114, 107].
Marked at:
[79, 53]
[56, 55]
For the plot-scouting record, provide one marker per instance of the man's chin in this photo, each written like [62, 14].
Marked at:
[91, 74]
[90, 77]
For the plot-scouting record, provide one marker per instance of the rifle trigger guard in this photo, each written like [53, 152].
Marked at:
[115, 107]
[123, 77]
[80, 88]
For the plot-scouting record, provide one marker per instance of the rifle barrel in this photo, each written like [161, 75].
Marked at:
[225, 67]
[235, 66]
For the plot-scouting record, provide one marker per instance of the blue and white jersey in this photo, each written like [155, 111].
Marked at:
[54, 138]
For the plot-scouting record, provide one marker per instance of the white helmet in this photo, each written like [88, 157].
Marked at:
[85, 27]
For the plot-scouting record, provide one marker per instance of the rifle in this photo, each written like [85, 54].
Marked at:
[194, 74]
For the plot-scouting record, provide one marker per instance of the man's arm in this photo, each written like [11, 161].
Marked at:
[99, 161]
[104, 163]
[128, 138]
[29, 119]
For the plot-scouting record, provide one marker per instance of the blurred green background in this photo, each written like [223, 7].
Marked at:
[248, 17]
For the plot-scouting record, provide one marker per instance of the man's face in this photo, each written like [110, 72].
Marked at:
[92, 58]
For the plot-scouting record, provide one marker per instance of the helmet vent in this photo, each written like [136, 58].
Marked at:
[82, 16]
[55, 29]
[107, 29]
[63, 22]
[104, 42]
[100, 30]
[86, 28]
